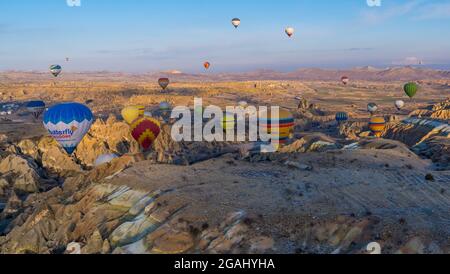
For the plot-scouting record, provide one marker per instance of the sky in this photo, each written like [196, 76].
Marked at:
[148, 35]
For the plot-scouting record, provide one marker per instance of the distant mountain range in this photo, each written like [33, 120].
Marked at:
[362, 73]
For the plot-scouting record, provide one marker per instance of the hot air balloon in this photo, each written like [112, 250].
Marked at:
[411, 89]
[399, 104]
[55, 70]
[345, 80]
[164, 106]
[130, 114]
[285, 123]
[68, 123]
[207, 65]
[243, 104]
[228, 121]
[105, 158]
[141, 109]
[341, 117]
[236, 22]
[148, 114]
[164, 82]
[67, 59]
[372, 108]
[145, 131]
[36, 108]
[290, 31]
[377, 125]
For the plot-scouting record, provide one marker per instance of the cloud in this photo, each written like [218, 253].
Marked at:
[375, 16]
[408, 61]
[434, 11]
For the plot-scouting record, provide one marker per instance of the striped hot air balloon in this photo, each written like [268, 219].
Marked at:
[145, 131]
[377, 125]
[341, 117]
[411, 89]
[164, 82]
[68, 123]
[55, 70]
[36, 108]
[279, 127]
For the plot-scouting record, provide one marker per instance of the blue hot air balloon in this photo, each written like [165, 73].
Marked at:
[36, 108]
[341, 117]
[68, 123]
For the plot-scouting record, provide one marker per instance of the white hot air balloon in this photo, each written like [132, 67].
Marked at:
[105, 158]
[399, 104]
[236, 22]
[290, 31]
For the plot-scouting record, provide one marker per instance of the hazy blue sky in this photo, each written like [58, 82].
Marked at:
[151, 35]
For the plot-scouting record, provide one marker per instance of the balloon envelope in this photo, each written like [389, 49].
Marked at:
[145, 131]
[164, 106]
[105, 158]
[411, 89]
[377, 125]
[372, 107]
[130, 114]
[345, 80]
[279, 127]
[290, 31]
[399, 104]
[236, 22]
[164, 82]
[207, 65]
[55, 70]
[36, 108]
[68, 123]
[341, 116]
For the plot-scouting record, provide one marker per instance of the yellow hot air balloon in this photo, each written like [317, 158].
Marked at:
[141, 109]
[130, 114]
[377, 125]
[228, 121]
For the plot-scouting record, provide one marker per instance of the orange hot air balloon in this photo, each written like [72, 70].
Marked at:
[145, 131]
[377, 125]
[206, 65]
[164, 82]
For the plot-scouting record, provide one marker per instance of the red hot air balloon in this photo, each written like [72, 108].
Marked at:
[207, 65]
[145, 131]
[163, 82]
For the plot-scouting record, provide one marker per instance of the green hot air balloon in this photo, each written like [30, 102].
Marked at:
[411, 89]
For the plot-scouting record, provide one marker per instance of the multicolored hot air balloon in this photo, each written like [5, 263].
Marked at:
[68, 123]
[290, 31]
[399, 104]
[236, 22]
[341, 117]
[55, 70]
[130, 114]
[36, 108]
[372, 108]
[345, 80]
[377, 125]
[411, 89]
[280, 127]
[164, 82]
[207, 65]
[145, 131]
